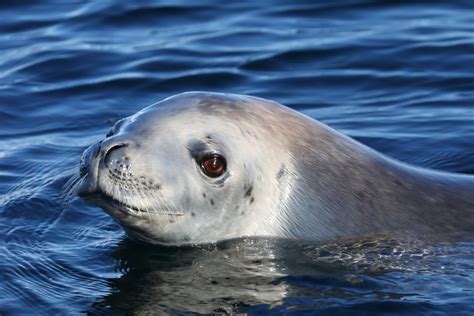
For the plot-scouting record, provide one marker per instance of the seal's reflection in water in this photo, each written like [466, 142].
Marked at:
[204, 279]
[262, 274]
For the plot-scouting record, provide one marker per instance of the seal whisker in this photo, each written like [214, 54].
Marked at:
[70, 182]
[71, 187]
[165, 210]
[143, 199]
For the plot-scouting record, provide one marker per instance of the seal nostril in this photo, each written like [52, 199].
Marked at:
[108, 152]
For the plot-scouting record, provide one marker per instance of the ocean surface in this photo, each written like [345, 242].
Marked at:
[396, 75]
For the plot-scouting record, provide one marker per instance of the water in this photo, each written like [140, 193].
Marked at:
[396, 76]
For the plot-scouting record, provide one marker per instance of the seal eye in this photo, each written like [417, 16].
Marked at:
[213, 165]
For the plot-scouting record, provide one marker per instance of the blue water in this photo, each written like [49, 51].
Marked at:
[398, 76]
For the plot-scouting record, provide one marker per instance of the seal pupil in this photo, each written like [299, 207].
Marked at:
[213, 165]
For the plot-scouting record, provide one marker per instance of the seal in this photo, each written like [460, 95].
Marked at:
[203, 167]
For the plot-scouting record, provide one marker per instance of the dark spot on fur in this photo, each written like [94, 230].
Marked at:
[398, 183]
[242, 213]
[280, 172]
[212, 201]
[252, 200]
[361, 196]
[248, 191]
[204, 195]
[192, 214]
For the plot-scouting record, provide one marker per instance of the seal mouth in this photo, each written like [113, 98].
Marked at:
[102, 199]
[120, 204]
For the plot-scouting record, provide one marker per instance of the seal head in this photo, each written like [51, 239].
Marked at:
[194, 168]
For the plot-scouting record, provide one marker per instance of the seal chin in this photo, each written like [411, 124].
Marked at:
[87, 188]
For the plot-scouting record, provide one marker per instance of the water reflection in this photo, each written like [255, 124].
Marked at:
[260, 275]
[200, 279]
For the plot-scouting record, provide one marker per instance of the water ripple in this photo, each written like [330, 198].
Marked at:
[397, 76]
